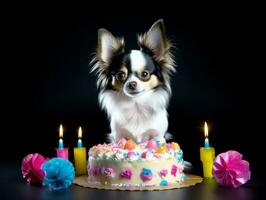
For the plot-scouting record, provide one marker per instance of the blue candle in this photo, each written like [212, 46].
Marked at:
[206, 133]
[61, 143]
[79, 143]
[206, 143]
[80, 136]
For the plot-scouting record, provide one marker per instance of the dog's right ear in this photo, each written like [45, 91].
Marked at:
[108, 46]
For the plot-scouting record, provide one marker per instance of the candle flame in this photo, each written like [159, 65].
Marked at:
[61, 131]
[206, 131]
[80, 133]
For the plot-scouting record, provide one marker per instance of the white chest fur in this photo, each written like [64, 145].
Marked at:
[138, 118]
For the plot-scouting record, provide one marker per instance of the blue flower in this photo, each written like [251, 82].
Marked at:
[164, 183]
[146, 174]
[146, 171]
[59, 173]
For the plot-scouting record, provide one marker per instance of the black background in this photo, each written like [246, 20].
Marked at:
[47, 81]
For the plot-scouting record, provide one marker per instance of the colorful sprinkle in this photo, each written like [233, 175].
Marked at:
[146, 174]
[126, 174]
[164, 183]
[161, 149]
[108, 172]
[130, 145]
[151, 145]
[174, 170]
[163, 172]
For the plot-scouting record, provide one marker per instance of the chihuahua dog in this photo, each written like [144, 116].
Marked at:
[134, 87]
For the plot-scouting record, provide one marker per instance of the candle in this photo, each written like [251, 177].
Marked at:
[206, 133]
[61, 143]
[80, 156]
[80, 136]
[61, 152]
[207, 154]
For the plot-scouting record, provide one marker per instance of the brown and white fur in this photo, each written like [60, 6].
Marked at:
[135, 86]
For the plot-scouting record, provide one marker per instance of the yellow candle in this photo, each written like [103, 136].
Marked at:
[207, 155]
[80, 157]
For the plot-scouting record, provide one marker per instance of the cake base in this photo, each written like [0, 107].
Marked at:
[190, 181]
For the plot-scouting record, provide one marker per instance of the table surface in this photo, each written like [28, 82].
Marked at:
[12, 186]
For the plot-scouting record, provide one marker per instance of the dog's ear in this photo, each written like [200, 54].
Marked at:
[155, 40]
[108, 46]
[155, 43]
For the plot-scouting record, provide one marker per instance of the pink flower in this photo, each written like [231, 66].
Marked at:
[31, 168]
[108, 172]
[126, 174]
[230, 170]
[163, 172]
[174, 170]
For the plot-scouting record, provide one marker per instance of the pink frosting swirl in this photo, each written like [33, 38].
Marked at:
[163, 172]
[174, 170]
[126, 174]
[108, 172]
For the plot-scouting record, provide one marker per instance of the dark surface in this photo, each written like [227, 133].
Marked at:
[13, 187]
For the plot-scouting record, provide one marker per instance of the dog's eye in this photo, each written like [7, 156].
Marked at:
[145, 75]
[120, 76]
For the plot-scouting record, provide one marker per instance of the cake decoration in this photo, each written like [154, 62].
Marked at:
[129, 145]
[161, 149]
[174, 170]
[163, 172]
[151, 145]
[107, 172]
[126, 174]
[59, 173]
[121, 143]
[31, 168]
[131, 155]
[132, 165]
[146, 174]
[230, 170]
[94, 170]
[164, 183]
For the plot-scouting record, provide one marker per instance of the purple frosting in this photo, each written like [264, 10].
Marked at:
[163, 172]
[94, 170]
[108, 172]
[126, 174]
[146, 174]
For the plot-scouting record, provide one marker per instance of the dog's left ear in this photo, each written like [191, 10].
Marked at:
[155, 40]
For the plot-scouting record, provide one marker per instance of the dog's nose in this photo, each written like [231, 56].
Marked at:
[132, 85]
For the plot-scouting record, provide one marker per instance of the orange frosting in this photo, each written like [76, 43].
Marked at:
[161, 149]
[130, 145]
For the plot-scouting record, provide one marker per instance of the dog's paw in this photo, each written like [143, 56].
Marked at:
[187, 167]
[168, 136]
[110, 138]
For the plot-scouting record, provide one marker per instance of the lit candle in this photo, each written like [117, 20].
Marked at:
[61, 151]
[80, 156]
[61, 143]
[79, 137]
[206, 134]
[207, 154]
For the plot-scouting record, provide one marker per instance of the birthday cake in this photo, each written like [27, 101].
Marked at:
[126, 164]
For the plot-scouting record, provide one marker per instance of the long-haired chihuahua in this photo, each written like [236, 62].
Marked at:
[134, 87]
